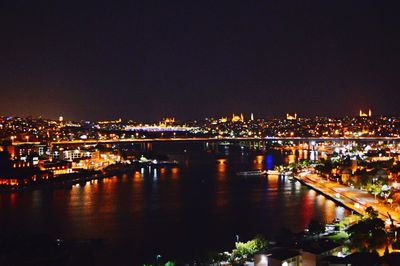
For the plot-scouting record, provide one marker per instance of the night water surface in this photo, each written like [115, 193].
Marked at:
[177, 212]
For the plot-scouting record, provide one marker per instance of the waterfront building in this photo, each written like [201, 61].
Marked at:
[57, 167]
[22, 151]
[71, 154]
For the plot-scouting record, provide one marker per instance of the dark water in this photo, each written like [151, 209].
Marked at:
[176, 212]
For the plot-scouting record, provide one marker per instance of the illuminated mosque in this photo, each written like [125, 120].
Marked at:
[362, 114]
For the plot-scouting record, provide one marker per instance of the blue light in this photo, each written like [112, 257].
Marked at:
[269, 162]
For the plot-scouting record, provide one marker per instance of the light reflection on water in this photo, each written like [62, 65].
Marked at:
[166, 210]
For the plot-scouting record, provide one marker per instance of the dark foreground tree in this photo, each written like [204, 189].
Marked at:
[368, 234]
[315, 227]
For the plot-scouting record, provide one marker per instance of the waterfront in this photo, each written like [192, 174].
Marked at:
[354, 199]
[179, 212]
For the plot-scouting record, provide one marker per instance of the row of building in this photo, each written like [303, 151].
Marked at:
[21, 164]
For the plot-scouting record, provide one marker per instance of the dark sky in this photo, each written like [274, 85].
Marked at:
[144, 60]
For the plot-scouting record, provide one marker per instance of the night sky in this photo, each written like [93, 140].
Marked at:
[144, 60]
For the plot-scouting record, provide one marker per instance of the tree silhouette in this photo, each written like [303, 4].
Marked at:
[5, 161]
[371, 213]
[368, 234]
[315, 227]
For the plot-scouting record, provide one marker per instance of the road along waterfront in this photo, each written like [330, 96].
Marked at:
[352, 198]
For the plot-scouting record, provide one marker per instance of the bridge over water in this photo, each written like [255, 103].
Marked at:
[204, 139]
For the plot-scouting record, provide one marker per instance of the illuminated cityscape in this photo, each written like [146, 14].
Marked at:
[224, 133]
[60, 146]
[352, 161]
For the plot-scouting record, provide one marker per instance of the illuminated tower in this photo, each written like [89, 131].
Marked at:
[61, 121]
[251, 117]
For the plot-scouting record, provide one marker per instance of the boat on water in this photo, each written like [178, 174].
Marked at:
[273, 172]
[154, 162]
[252, 173]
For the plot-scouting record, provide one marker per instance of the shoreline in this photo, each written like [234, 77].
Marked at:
[350, 198]
[66, 180]
[325, 194]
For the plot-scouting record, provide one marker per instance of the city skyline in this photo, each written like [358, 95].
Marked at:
[142, 61]
[224, 117]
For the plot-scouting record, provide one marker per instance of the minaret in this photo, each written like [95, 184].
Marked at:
[369, 113]
[241, 117]
[252, 117]
[61, 120]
